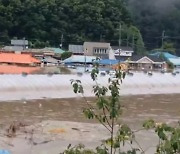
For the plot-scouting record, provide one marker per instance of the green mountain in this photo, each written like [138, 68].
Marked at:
[48, 22]
[153, 17]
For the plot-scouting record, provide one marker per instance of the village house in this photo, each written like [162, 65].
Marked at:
[98, 49]
[122, 53]
[76, 49]
[17, 45]
[18, 59]
[101, 50]
[79, 59]
[148, 63]
[175, 60]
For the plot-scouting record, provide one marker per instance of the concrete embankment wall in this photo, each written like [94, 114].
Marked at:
[18, 87]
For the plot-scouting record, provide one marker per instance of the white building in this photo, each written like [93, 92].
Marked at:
[122, 53]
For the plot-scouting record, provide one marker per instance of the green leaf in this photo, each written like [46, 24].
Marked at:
[75, 86]
[88, 113]
[162, 135]
[149, 124]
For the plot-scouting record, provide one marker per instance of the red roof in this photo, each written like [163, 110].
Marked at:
[11, 69]
[17, 58]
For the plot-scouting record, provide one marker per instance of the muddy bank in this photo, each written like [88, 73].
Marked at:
[58, 122]
[53, 137]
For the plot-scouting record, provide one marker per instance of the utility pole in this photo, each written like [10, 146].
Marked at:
[133, 41]
[120, 35]
[61, 41]
[24, 43]
[85, 60]
[163, 36]
[127, 43]
[120, 27]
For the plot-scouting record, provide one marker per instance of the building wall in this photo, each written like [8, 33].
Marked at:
[123, 53]
[96, 49]
[145, 60]
[140, 66]
[146, 66]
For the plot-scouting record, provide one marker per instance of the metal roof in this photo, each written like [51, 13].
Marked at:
[175, 61]
[76, 48]
[17, 58]
[167, 55]
[97, 44]
[19, 42]
[55, 50]
[50, 60]
[108, 62]
[13, 48]
[79, 59]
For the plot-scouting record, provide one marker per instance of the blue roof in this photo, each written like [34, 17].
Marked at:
[165, 54]
[79, 59]
[108, 62]
[4, 152]
[175, 61]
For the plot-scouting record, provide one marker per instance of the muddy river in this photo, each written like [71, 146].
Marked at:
[136, 109]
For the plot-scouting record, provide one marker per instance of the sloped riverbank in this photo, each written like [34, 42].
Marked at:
[19, 87]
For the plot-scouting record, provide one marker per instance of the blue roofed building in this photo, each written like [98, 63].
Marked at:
[79, 59]
[108, 62]
[175, 60]
[166, 55]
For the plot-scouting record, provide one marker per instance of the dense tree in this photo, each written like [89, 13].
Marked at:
[66, 55]
[153, 17]
[42, 21]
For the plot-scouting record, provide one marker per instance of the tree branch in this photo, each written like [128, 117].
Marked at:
[91, 108]
[106, 118]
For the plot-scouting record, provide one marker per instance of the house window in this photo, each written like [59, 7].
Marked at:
[100, 51]
[103, 51]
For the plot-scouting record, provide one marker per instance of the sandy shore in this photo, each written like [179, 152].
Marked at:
[18, 87]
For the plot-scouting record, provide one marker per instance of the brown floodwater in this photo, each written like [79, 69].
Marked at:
[136, 109]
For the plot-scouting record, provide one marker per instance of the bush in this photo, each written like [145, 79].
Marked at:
[66, 55]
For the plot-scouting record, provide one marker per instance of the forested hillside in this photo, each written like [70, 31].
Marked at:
[155, 16]
[43, 22]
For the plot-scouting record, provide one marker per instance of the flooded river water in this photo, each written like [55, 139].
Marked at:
[164, 108]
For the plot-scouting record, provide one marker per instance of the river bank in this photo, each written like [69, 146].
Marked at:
[19, 87]
[58, 122]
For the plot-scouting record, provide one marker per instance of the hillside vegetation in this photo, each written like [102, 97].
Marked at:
[153, 17]
[47, 22]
